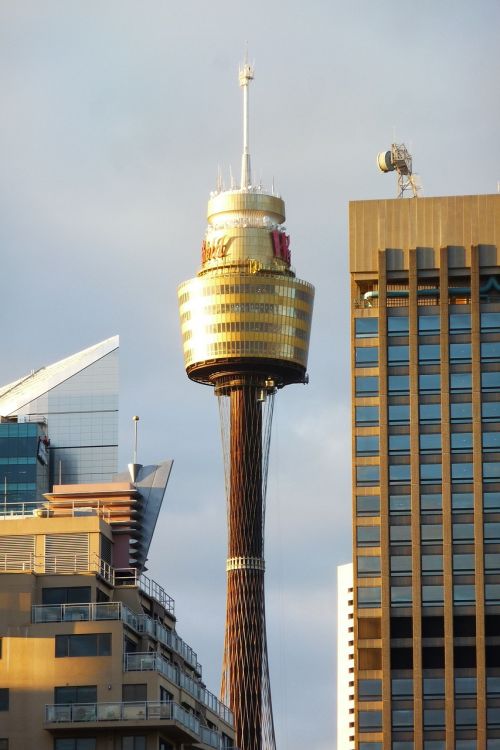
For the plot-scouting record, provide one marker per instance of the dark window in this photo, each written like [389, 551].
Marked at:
[366, 385]
[490, 381]
[490, 321]
[465, 716]
[366, 356]
[432, 563]
[433, 717]
[399, 414]
[397, 326]
[365, 327]
[399, 384]
[75, 694]
[367, 445]
[368, 536]
[134, 743]
[401, 687]
[461, 442]
[368, 596]
[432, 594]
[428, 353]
[491, 441]
[66, 595]
[428, 325]
[4, 743]
[463, 562]
[401, 595]
[95, 644]
[399, 473]
[465, 685]
[4, 699]
[75, 743]
[491, 411]
[459, 322]
[490, 351]
[460, 382]
[370, 720]
[402, 718]
[131, 693]
[369, 689]
[399, 504]
[433, 686]
[366, 415]
[399, 444]
[491, 500]
[371, 746]
[431, 502]
[369, 476]
[165, 695]
[400, 564]
[460, 352]
[462, 472]
[368, 566]
[397, 354]
[491, 471]
[429, 413]
[368, 505]
[463, 532]
[462, 501]
[461, 412]
[429, 383]
[430, 473]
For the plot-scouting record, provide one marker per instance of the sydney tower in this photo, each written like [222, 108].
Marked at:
[246, 321]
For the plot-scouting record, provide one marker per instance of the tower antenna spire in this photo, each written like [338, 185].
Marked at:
[246, 75]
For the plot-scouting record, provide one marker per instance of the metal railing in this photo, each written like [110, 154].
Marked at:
[86, 612]
[151, 662]
[64, 563]
[132, 577]
[170, 639]
[118, 711]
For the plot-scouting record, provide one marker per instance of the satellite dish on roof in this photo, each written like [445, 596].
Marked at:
[399, 160]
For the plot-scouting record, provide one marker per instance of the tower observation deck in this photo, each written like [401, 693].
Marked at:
[246, 321]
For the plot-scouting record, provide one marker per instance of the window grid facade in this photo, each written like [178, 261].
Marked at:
[427, 606]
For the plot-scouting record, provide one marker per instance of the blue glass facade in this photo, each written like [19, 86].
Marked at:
[24, 467]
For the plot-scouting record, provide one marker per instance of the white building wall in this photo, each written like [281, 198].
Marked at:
[345, 658]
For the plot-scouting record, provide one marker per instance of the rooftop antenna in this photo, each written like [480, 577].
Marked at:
[399, 160]
[134, 466]
[246, 75]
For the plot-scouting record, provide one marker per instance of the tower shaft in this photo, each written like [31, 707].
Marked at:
[244, 649]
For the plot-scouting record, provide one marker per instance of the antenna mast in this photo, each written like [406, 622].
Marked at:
[399, 160]
[246, 75]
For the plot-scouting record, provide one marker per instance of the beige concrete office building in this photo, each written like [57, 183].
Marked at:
[90, 655]
[425, 291]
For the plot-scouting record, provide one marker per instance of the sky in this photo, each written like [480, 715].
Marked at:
[115, 116]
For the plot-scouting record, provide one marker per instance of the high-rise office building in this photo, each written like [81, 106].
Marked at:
[77, 398]
[425, 291]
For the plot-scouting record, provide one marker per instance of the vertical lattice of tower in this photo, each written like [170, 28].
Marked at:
[246, 321]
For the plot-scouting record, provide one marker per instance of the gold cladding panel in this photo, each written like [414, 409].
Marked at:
[245, 316]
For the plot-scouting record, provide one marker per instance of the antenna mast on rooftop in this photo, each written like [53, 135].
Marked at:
[399, 160]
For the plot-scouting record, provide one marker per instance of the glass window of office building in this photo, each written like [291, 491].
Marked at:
[78, 400]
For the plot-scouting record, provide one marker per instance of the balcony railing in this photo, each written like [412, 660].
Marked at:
[132, 577]
[41, 613]
[137, 711]
[65, 563]
[170, 639]
[151, 662]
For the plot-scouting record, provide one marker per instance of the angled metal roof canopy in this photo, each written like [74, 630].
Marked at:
[17, 394]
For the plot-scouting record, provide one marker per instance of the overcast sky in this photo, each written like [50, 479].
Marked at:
[115, 115]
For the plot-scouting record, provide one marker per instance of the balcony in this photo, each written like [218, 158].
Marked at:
[151, 662]
[138, 714]
[84, 613]
[132, 577]
[64, 563]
